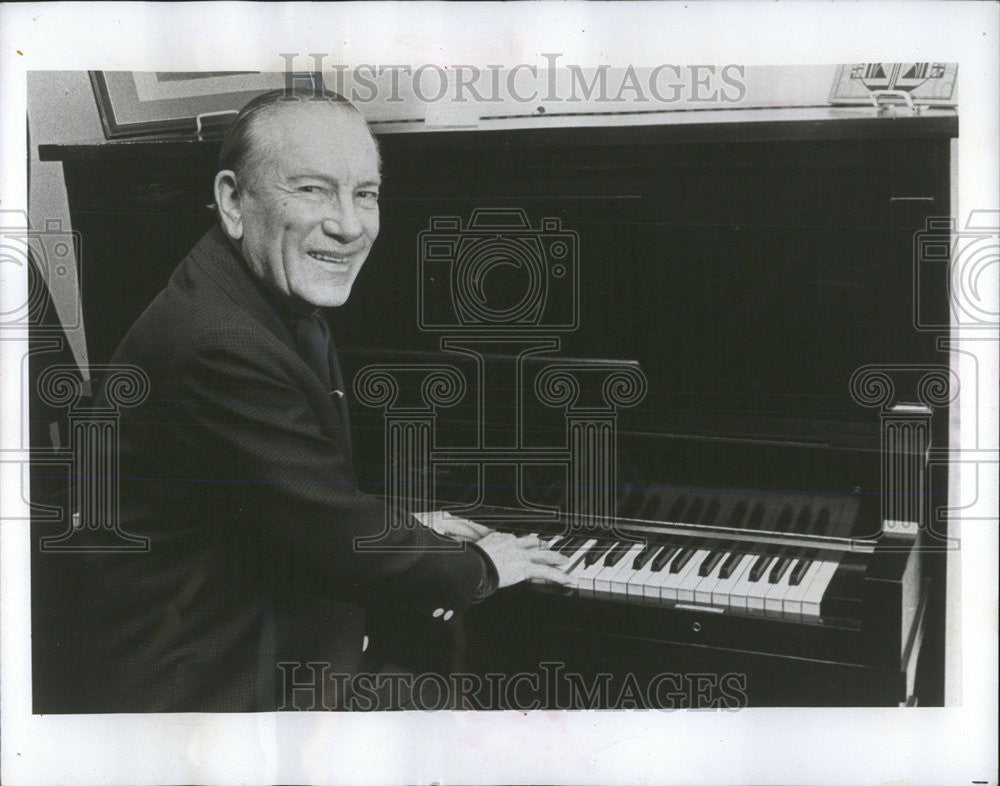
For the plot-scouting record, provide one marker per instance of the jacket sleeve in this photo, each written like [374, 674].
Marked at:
[242, 421]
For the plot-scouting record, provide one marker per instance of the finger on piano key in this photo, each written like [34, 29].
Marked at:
[551, 542]
[572, 548]
[546, 542]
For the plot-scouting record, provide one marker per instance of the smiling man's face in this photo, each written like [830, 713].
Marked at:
[309, 213]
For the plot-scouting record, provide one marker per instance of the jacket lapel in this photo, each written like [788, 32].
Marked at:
[219, 260]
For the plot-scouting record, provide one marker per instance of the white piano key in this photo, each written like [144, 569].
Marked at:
[645, 582]
[792, 603]
[672, 582]
[721, 593]
[775, 597]
[692, 578]
[757, 590]
[585, 574]
[613, 580]
[814, 595]
[703, 592]
[741, 589]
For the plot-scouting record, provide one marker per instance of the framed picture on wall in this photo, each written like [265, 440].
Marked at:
[139, 103]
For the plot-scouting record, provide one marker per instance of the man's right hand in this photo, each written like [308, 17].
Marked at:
[517, 559]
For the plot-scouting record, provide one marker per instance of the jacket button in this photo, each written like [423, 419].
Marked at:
[448, 615]
[437, 613]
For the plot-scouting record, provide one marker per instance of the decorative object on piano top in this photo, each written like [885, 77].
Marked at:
[914, 84]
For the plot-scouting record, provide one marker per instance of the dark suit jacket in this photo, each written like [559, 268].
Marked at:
[236, 468]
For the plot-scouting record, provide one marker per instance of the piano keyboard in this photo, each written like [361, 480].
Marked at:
[697, 572]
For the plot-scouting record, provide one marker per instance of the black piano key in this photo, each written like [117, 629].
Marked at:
[781, 566]
[760, 566]
[555, 542]
[730, 564]
[571, 544]
[784, 519]
[799, 571]
[663, 557]
[597, 551]
[756, 516]
[615, 555]
[708, 564]
[682, 559]
[823, 522]
[644, 556]
[805, 517]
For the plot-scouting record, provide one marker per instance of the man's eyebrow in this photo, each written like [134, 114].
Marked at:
[369, 181]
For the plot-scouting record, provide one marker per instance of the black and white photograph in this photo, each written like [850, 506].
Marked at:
[499, 393]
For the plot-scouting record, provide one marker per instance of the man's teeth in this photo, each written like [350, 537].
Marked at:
[328, 257]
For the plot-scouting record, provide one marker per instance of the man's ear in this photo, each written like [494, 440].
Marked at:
[227, 202]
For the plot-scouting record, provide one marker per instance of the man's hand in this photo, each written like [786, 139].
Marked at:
[443, 523]
[517, 559]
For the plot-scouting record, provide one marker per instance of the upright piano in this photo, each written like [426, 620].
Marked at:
[771, 533]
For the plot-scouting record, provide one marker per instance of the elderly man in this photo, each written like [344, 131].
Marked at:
[238, 466]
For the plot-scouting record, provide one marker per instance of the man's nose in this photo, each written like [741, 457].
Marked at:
[343, 221]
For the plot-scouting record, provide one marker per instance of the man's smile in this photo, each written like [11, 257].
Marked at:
[337, 259]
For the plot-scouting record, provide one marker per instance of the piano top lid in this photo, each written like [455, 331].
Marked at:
[678, 126]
